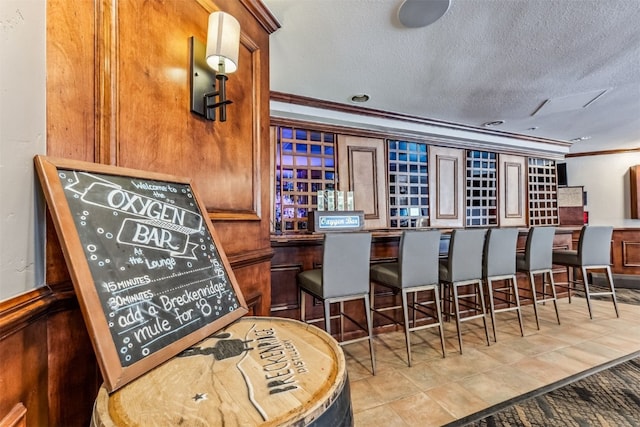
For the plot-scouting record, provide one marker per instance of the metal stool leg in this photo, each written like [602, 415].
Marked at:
[532, 280]
[405, 313]
[514, 283]
[484, 311]
[587, 292]
[492, 309]
[436, 293]
[302, 306]
[613, 291]
[555, 296]
[456, 308]
[367, 311]
[327, 316]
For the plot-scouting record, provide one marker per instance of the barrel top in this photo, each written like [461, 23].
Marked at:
[257, 371]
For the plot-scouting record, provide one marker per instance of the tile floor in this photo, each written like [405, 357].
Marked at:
[436, 391]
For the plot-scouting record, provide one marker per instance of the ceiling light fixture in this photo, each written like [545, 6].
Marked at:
[361, 97]
[493, 123]
[420, 13]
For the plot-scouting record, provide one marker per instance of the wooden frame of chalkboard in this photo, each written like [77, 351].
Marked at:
[146, 263]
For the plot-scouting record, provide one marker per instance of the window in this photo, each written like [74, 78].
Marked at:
[408, 183]
[305, 162]
[543, 197]
[304, 165]
[482, 189]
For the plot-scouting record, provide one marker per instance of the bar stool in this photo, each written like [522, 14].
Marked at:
[594, 253]
[344, 276]
[416, 271]
[500, 266]
[537, 259]
[463, 269]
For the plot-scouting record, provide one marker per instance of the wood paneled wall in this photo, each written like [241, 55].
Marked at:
[118, 93]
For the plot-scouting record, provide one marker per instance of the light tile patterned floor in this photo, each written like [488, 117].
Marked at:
[436, 390]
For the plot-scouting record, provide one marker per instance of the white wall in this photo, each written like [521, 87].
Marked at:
[22, 135]
[606, 180]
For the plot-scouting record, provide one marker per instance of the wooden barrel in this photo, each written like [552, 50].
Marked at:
[258, 371]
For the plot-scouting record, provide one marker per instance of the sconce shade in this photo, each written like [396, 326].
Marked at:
[223, 42]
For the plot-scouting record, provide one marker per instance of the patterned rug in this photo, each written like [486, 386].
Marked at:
[608, 398]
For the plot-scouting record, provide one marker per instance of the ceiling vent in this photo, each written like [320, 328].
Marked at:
[569, 102]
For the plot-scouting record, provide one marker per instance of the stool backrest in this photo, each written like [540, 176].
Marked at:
[418, 257]
[465, 254]
[594, 245]
[539, 248]
[500, 252]
[345, 264]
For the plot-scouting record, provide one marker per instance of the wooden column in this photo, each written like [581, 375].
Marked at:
[634, 186]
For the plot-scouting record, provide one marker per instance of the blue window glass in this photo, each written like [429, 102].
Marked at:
[287, 147]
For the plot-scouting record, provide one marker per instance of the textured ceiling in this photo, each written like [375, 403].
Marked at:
[484, 60]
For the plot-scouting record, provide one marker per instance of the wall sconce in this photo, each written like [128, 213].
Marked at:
[210, 66]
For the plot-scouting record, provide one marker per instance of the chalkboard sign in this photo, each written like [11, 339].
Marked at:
[145, 261]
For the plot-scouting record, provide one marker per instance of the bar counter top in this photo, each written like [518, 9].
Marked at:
[377, 235]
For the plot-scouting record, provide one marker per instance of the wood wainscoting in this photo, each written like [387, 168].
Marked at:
[47, 363]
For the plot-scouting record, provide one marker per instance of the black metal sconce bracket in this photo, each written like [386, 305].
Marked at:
[204, 101]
